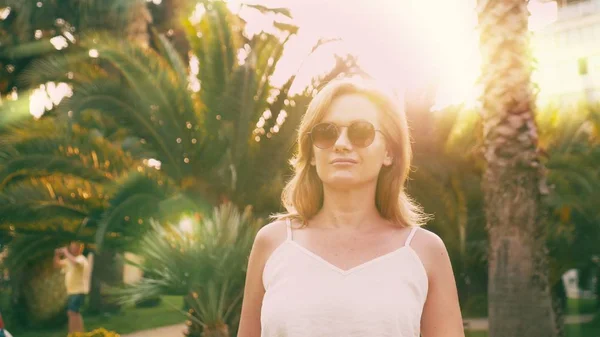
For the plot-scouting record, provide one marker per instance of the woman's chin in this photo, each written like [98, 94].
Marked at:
[342, 181]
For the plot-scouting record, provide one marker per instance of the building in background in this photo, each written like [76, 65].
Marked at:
[572, 285]
[568, 54]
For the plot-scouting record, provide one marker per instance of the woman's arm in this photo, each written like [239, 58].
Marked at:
[265, 242]
[441, 313]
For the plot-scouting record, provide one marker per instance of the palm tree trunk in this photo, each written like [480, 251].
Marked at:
[197, 330]
[559, 303]
[520, 302]
[219, 330]
[107, 271]
[108, 267]
[215, 328]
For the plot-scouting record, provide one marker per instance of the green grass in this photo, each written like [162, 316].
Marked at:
[476, 333]
[475, 306]
[591, 329]
[581, 306]
[128, 320]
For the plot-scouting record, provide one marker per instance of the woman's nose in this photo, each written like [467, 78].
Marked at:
[343, 142]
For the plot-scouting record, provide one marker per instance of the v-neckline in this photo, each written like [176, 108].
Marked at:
[350, 270]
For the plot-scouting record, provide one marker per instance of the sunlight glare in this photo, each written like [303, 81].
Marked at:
[14, 95]
[4, 13]
[542, 14]
[59, 42]
[154, 163]
[186, 225]
[404, 44]
[197, 14]
[57, 92]
[47, 96]
[194, 82]
[69, 36]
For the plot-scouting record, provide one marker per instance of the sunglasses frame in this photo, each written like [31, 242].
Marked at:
[338, 127]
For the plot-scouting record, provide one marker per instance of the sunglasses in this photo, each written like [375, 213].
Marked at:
[360, 133]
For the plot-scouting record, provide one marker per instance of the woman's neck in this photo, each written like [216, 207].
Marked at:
[353, 209]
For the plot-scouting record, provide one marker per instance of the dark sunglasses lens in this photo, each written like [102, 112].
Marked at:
[324, 135]
[361, 134]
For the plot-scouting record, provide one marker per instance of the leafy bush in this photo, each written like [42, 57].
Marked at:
[205, 263]
[38, 294]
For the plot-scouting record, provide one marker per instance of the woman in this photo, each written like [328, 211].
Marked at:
[349, 257]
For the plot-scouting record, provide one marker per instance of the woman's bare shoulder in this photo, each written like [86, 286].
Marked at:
[427, 238]
[270, 236]
[430, 248]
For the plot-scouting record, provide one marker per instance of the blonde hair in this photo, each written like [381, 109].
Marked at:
[303, 194]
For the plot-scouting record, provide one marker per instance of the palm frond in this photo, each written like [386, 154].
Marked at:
[40, 200]
[266, 52]
[42, 148]
[243, 105]
[28, 49]
[215, 40]
[286, 27]
[136, 199]
[85, 15]
[26, 249]
[270, 10]
[155, 105]
[74, 68]
[108, 97]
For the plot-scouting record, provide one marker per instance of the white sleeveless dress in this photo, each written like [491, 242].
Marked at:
[306, 296]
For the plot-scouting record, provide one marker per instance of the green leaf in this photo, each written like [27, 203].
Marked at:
[26, 50]
[286, 27]
[268, 10]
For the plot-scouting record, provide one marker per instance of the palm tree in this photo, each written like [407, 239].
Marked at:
[206, 264]
[446, 180]
[53, 165]
[206, 139]
[49, 185]
[513, 183]
[37, 28]
[571, 153]
[156, 78]
[151, 99]
[153, 79]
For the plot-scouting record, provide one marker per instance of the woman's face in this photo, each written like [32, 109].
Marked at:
[352, 159]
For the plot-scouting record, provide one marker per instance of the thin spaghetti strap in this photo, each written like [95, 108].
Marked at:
[410, 236]
[289, 229]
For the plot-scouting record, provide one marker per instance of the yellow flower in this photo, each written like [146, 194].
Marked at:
[100, 332]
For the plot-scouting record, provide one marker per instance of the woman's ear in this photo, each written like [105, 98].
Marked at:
[388, 160]
[313, 161]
